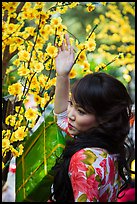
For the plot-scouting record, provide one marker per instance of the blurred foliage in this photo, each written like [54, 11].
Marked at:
[115, 19]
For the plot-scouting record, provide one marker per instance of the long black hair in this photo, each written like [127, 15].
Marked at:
[107, 98]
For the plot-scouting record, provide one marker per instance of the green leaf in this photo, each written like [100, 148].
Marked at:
[90, 171]
[90, 157]
[104, 154]
[82, 198]
[98, 178]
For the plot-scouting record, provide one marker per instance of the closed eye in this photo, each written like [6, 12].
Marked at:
[81, 111]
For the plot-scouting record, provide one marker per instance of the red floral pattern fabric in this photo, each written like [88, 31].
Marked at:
[93, 172]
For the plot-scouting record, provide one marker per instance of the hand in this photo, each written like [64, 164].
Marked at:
[65, 58]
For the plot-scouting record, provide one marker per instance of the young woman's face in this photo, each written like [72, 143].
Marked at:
[78, 119]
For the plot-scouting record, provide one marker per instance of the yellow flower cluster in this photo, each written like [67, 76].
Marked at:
[52, 50]
[100, 67]
[90, 7]
[15, 89]
[29, 36]
[118, 34]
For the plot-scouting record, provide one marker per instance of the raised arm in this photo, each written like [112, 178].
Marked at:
[64, 62]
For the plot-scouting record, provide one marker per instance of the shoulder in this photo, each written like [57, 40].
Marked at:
[97, 158]
[91, 153]
[93, 158]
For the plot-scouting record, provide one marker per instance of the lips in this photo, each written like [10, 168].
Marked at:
[71, 126]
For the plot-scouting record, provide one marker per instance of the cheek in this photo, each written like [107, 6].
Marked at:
[87, 122]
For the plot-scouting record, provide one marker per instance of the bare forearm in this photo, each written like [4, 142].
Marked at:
[64, 63]
[61, 94]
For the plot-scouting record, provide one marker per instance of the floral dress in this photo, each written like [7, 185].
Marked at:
[93, 172]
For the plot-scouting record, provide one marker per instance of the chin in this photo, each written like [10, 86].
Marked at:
[72, 132]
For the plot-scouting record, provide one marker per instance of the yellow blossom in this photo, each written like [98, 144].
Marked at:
[125, 71]
[21, 109]
[49, 64]
[55, 22]
[48, 29]
[20, 149]
[46, 96]
[96, 21]
[92, 36]
[3, 165]
[80, 46]
[17, 124]
[53, 81]
[30, 30]
[86, 71]
[23, 71]
[11, 7]
[10, 120]
[121, 55]
[42, 80]
[88, 28]
[34, 79]
[12, 28]
[24, 55]
[19, 41]
[73, 4]
[16, 62]
[6, 134]
[72, 74]
[86, 65]
[91, 45]
[44, 34]
[127, 77]
[62, 10]
[13, 47]
[44, 101]
[38, 66]
[31, 123]
[9, 70]
[59, 30]
[82, 57]
[40, 42]
[47, 85]
[3, 133]
[52, 50]
[100, 66]
[103, 3]
[19, 134]
[31, 114]
[90, 7]
[15, 89]
[37, 98]
[5, 143]
[130, 67]
[45, 57]
[34, 88]
[59, 39]
[14, 152]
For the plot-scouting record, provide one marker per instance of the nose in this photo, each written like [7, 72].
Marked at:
[71, 114]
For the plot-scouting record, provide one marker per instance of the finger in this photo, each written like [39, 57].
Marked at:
[71, 50]
[67, 40]
[63, 46]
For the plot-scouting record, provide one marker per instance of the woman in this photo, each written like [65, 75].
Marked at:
[93, 165]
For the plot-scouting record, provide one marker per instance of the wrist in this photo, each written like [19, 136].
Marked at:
[61, 75]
